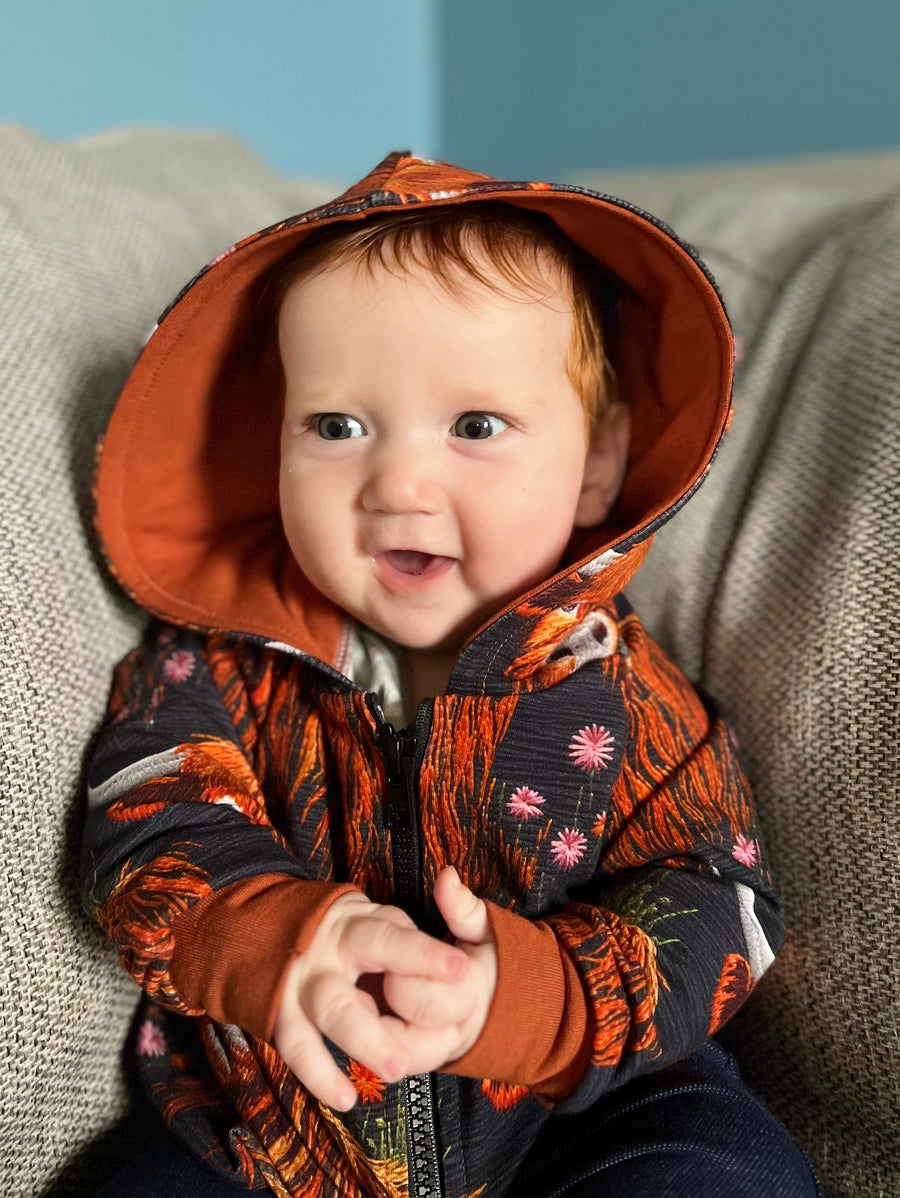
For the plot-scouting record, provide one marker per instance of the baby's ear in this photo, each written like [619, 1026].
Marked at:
[604, 466]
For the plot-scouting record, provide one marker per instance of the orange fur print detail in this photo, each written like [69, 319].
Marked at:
[735, 983]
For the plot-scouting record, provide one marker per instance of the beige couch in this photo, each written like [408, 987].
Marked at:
[776, 587]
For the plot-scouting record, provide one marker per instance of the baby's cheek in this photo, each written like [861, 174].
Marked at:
[527, 553]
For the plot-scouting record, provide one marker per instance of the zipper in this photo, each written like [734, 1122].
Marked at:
[423, 1164]
[399, 753]
[403, 752]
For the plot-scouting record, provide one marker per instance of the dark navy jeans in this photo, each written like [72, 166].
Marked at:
[690, 1131]
[693, 1130]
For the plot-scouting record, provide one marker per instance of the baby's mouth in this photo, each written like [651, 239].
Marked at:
[414, 562]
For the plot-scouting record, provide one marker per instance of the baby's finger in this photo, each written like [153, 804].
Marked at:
[345, 1016]
[425, 1003]
[396, 915]
[427, 1049]
[378, 945]
[309, 1060]
[464, 914]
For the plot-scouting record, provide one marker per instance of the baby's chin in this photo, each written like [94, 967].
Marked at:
[431, 642]
[440, 646]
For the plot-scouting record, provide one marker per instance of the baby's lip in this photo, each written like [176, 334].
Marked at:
[415, 562]
[411, 568]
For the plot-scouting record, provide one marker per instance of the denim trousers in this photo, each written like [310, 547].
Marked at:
[692, 1130]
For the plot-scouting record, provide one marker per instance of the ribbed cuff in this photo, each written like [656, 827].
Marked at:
[233, 948]
[537, 1033]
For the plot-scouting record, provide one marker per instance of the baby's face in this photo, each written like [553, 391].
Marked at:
[432, 449]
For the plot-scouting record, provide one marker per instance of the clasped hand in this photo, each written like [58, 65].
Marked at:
[433, 998]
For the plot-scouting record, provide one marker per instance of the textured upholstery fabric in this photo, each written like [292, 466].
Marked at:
[776, 588]
[95, 238]
[776, 585]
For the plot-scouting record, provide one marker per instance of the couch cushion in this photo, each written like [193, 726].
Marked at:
[776, 588]
[96, 236]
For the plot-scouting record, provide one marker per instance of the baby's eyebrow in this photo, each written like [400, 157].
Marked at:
[487, 400]
[327, 398]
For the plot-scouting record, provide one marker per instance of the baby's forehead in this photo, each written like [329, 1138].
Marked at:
[338, 306]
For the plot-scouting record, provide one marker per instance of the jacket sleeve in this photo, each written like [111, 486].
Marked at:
[669, 938]
[183, 864]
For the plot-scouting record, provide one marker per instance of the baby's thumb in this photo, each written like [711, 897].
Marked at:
[464, 914]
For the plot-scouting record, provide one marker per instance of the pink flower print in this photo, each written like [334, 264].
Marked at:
[592, 748]
[524, 803]
[746, 851]
[150, 1041]
[599, 824]
[179, 666]
[568, 848]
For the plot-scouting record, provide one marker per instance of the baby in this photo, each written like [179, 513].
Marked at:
[389, 465]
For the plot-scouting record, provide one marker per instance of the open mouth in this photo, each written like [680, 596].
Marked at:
[404, 571]
[414, 563]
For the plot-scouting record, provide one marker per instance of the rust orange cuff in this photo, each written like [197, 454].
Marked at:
[538, 1032]
[233, 948]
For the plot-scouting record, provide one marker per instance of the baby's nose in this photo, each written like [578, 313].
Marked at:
[403, 479]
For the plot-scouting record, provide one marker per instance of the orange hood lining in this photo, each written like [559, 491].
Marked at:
[187, 482]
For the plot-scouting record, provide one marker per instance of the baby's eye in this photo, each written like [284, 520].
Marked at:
[478, 426]
[335, 426]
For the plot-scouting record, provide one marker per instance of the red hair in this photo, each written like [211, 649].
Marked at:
[453, 241]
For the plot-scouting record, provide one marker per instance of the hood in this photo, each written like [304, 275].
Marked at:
[187, 480]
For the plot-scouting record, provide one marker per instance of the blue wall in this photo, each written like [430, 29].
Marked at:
[532, 88]
[318, 87]
[517, 87]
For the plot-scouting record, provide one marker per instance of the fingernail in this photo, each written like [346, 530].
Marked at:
[392, 1070]
[457, 963]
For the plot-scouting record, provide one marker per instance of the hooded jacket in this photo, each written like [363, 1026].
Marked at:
[244, 780]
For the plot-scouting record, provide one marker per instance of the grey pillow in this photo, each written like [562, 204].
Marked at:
[96, 237]
[777, 588]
